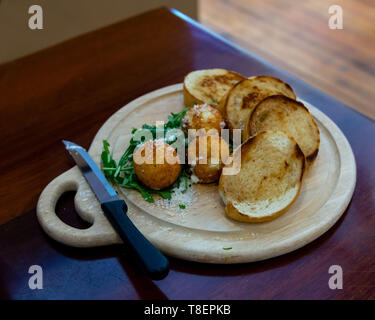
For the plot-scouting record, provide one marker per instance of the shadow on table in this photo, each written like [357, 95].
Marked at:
[144, 286]
[147, 289]
[229, 270]
[4, 292]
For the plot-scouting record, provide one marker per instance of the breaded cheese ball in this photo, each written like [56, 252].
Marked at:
[203, 118]
[206, 157]
[156, 164]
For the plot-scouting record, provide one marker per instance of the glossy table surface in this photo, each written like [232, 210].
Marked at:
[69, 90]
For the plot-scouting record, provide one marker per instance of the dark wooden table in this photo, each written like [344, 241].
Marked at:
[69, 90]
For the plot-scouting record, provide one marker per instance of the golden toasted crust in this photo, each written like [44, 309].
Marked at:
[245, 95]
[209, 86]
[189, 99]
[234, 214]
[281, 113]
[270, 179]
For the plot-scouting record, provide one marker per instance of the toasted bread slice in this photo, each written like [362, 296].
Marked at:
[269, 181]
[281, 113]
[245, 95]
[209, 86]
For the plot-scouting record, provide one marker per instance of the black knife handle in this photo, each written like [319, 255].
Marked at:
[154, 262]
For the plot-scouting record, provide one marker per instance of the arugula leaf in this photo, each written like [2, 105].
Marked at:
[107, 160]
[144, 192]
[166, 194]
[175, 119]
[123, 173]
[230, 144]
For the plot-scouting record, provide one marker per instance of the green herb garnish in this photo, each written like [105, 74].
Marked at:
[123, 173]
[182, 206]
[229, 248]
[230, 144]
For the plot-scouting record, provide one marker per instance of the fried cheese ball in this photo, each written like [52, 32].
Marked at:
[206, 157]
[156, 164]
[203, 118]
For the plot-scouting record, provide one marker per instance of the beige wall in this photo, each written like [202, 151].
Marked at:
[64, 19]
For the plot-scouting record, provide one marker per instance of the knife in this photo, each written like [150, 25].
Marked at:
[154, 263]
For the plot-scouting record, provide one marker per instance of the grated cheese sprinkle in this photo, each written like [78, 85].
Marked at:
[180, 201]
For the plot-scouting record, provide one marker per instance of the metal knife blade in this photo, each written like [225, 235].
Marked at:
[94, 176]
[154, 263]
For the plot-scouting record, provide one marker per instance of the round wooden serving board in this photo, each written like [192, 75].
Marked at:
[201, 231]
